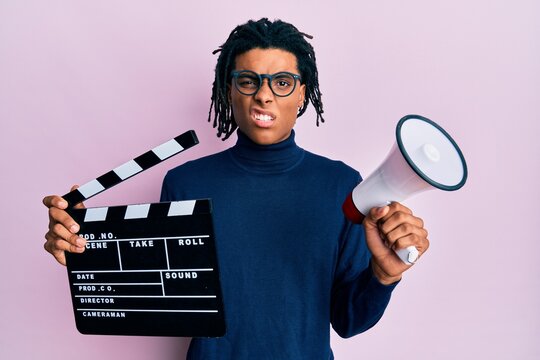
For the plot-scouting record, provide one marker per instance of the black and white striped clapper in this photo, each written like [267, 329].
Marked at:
[132, 167]
[148, 269]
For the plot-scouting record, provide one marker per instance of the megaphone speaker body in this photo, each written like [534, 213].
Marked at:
[424, 157]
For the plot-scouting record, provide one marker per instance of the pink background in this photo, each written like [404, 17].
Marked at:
[85, 86]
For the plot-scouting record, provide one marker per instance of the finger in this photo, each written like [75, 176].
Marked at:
[57, 248]
[374, 215]
[373, 237]
[404, 230]
[58, 201]
[397, 219]
[55, 244]
[59, 255]
[62, 217]
[78, 205]
[419, 242]
[59, 231]
[55, 201]
[73, 244]
[395, 207]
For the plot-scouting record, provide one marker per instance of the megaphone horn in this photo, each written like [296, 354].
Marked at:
[424, 157]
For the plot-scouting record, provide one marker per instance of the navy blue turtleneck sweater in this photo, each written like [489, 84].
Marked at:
[290, 263]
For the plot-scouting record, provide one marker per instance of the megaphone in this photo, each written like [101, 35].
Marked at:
[424, 157]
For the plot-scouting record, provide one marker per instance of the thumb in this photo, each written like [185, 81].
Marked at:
[375, 214]
[374, 240]
[79, 205]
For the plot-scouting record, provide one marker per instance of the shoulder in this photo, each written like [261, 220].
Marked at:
[195, 167]
[330, 167]
[190, 179]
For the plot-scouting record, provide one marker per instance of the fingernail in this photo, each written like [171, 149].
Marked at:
[81, 242]
[74, 228]
[62, 204]
[79, 249]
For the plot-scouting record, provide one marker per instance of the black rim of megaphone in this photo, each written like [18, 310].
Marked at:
[416, 169]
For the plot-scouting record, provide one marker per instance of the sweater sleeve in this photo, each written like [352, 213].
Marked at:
[165, 191]
[358, 298]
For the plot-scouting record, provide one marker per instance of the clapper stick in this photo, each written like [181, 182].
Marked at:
[132, 167]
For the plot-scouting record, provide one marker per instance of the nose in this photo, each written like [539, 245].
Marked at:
[264, 94]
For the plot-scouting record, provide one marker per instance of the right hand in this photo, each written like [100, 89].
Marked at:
[62, 235]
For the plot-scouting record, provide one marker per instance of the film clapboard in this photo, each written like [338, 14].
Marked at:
[148, 269]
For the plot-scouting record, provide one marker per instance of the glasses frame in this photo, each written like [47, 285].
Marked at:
[235, 74]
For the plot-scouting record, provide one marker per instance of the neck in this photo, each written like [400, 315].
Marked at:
[272, 158]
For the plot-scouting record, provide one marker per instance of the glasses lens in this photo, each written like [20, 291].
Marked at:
[247, 82]
[283, 84]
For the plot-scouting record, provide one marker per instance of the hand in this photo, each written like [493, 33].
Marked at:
[391, 228]
[62, 235]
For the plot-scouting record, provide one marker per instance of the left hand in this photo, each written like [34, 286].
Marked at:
[391, 228]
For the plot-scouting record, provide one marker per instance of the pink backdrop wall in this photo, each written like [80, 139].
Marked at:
[85, 86]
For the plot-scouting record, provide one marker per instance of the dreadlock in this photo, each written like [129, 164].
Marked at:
[262, 34]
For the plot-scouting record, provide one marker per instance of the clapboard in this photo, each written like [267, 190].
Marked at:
[148, 269]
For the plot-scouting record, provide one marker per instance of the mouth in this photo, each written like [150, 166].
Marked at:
[262, 118]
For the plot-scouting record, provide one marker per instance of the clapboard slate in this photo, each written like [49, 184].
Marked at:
[148, 269]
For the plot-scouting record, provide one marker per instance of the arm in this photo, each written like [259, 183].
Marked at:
[369, 269]
[359, 299]
[166, 189]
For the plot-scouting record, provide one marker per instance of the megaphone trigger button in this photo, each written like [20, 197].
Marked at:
[413, 255]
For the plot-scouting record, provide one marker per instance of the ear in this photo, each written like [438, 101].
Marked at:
[301, 95]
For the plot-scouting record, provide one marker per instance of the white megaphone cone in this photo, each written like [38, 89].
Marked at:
[424, 157]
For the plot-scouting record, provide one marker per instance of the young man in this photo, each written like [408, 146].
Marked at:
[290, 263]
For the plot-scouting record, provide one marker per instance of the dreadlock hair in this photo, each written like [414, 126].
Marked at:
[263, 34]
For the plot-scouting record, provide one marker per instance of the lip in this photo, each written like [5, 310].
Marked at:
[262, 123]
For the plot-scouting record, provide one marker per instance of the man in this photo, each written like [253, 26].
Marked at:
[291, 264]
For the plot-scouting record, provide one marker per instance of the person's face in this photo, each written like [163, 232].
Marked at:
[264, 117]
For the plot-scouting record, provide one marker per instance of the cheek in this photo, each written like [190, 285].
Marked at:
[290, 107]
[239, 104]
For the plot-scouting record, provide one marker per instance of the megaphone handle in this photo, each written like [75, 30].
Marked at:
[408, 255]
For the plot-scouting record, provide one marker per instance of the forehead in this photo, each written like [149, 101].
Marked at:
[266, 61]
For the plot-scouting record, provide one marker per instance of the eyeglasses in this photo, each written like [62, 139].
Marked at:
[249, 82]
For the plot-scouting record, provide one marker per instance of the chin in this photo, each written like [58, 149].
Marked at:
[261, 139]
[265, 137]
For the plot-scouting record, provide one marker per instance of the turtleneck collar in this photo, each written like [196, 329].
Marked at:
[266, 159]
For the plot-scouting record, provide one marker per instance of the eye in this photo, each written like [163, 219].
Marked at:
[247, 81]
[283, 81]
